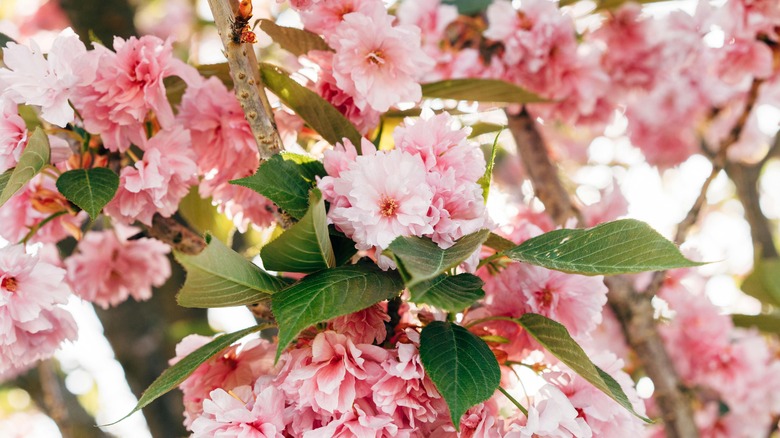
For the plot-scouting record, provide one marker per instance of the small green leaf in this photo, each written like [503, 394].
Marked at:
[313, 109]
[305, 247]
[556, 339]
[286, 179]
[621, 247]
[220, 277]
[484, 181]
[419, 259]
[461, 366]
[35, 155]
[480, 90]
[296, 41]
[330, 293]
[89, 189]
[766, 322]
[764, 282]
[449, 292]
[469, 7]
[173, 376]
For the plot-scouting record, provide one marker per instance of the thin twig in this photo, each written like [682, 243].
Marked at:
[247, 83]
[52, 397]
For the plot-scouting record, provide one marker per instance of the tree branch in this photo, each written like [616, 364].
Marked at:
[745, 179]
[178, 236]
[635, 313]
[633, 310]
[247, 83]
[542, 172]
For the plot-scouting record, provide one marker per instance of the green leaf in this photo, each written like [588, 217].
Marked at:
[621, 247]
[461, 366]
[419, 259]
[203, 216]
[286, 179]
[449, 292]
[313, 109]
[343, 247]
[484, 181]
[556, 339]
[480, 90]
[4, 178]
[5, 39]
[220, 277]
[35, 155]
[296, 41]
[305, 247]
[499, 243]
[469, 7]
[89, 189]
[764, 282]
[330, 293]
[176, 374]
[767, 322]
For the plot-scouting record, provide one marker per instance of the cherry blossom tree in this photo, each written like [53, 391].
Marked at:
[427, 205]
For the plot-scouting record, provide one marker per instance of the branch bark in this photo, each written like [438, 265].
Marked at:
[633, 310]
[745, 179]
[541, 170]
[248, 85]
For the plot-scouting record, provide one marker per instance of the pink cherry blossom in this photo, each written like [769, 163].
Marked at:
[377, 63]
[244, 412]
[223, 143]
[405, 392]
[575, 301]
[107, 269]
[363, 327]
[47, 82]
[31, 324]
[232, 367]
[13, 135]
[551, 415]
[157, 182]
[364, 119]
[128, 85]
[332, 374]
[37, 201]
[362, 422]
[604, 416]
[380, 197]
[323, 17]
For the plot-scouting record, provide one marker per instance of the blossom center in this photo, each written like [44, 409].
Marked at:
[376, 57]
[545, 297]
[387, 206]
[9, 283]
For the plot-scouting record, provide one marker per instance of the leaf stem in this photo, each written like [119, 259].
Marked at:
[493, 318]
[514, 402]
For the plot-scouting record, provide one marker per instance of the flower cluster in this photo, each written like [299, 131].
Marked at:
[426, 186]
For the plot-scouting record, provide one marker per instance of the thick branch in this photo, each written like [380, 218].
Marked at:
[178, 236]
[633, 310]
[635, 313]
[540, 169]
[247, 82]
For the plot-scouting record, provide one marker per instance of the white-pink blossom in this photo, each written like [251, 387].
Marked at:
[377, 63]
[47, 82]
[32, 325]
[13, 135]
[244, 412]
